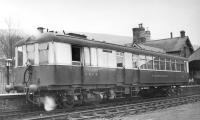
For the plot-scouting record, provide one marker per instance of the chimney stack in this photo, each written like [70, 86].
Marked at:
[140, 35]
[182, 33]
[41, 29]
[140, 25]
[171, 34]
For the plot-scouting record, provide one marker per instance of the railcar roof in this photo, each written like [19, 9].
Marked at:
[51, 37]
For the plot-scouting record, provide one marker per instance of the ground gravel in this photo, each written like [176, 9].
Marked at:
[183, 112]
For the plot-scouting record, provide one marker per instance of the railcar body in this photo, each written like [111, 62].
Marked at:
[78, 69]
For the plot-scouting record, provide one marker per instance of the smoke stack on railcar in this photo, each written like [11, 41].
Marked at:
[41, 29]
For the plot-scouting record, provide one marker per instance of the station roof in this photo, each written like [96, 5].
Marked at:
[195, 55]
[170, 44]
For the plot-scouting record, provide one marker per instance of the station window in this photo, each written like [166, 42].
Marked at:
[135, 60]
[142, 62]
[20, 56]
[76, 55]
[43, 53]
[162, 63]
[31, 53]
[149, 62]
[168, 64]
[156, 63]
[120, 59]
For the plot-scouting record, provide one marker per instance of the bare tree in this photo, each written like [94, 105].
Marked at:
[8, 39]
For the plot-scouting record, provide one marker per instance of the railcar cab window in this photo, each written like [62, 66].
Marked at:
[120, 59]
[20, 56]
[76, 55]
[43, 53]
[31, 53]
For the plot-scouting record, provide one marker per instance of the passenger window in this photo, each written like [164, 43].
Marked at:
[76, 55]
[135, 61]
[120, 59]
[43, 53]
[156, 63]
[178, 65]
[106, 58]
[20, 56]
[173, 64]
[168, 64]
[182, 66]
[31, 53]
[162, 63]
[149, 62]
[87, 56]
[128, 63]
[142, 62]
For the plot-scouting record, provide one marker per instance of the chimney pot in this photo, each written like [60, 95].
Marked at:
[140, 25]
[182, 33]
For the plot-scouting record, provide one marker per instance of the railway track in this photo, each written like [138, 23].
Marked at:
[27, 111]
[119, 110]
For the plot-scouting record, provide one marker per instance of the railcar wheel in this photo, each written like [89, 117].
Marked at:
[68, 101]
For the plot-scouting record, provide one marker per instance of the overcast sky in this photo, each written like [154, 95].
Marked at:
[106, 16]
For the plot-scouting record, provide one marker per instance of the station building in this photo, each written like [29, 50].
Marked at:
[180, 46]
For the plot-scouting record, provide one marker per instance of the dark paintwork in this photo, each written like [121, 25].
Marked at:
[60, 75]
[164, 77]
[131, 76]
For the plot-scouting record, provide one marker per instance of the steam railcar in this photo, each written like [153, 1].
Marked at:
[73, 69]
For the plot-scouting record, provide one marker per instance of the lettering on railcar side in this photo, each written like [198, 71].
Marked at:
[160, 76]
